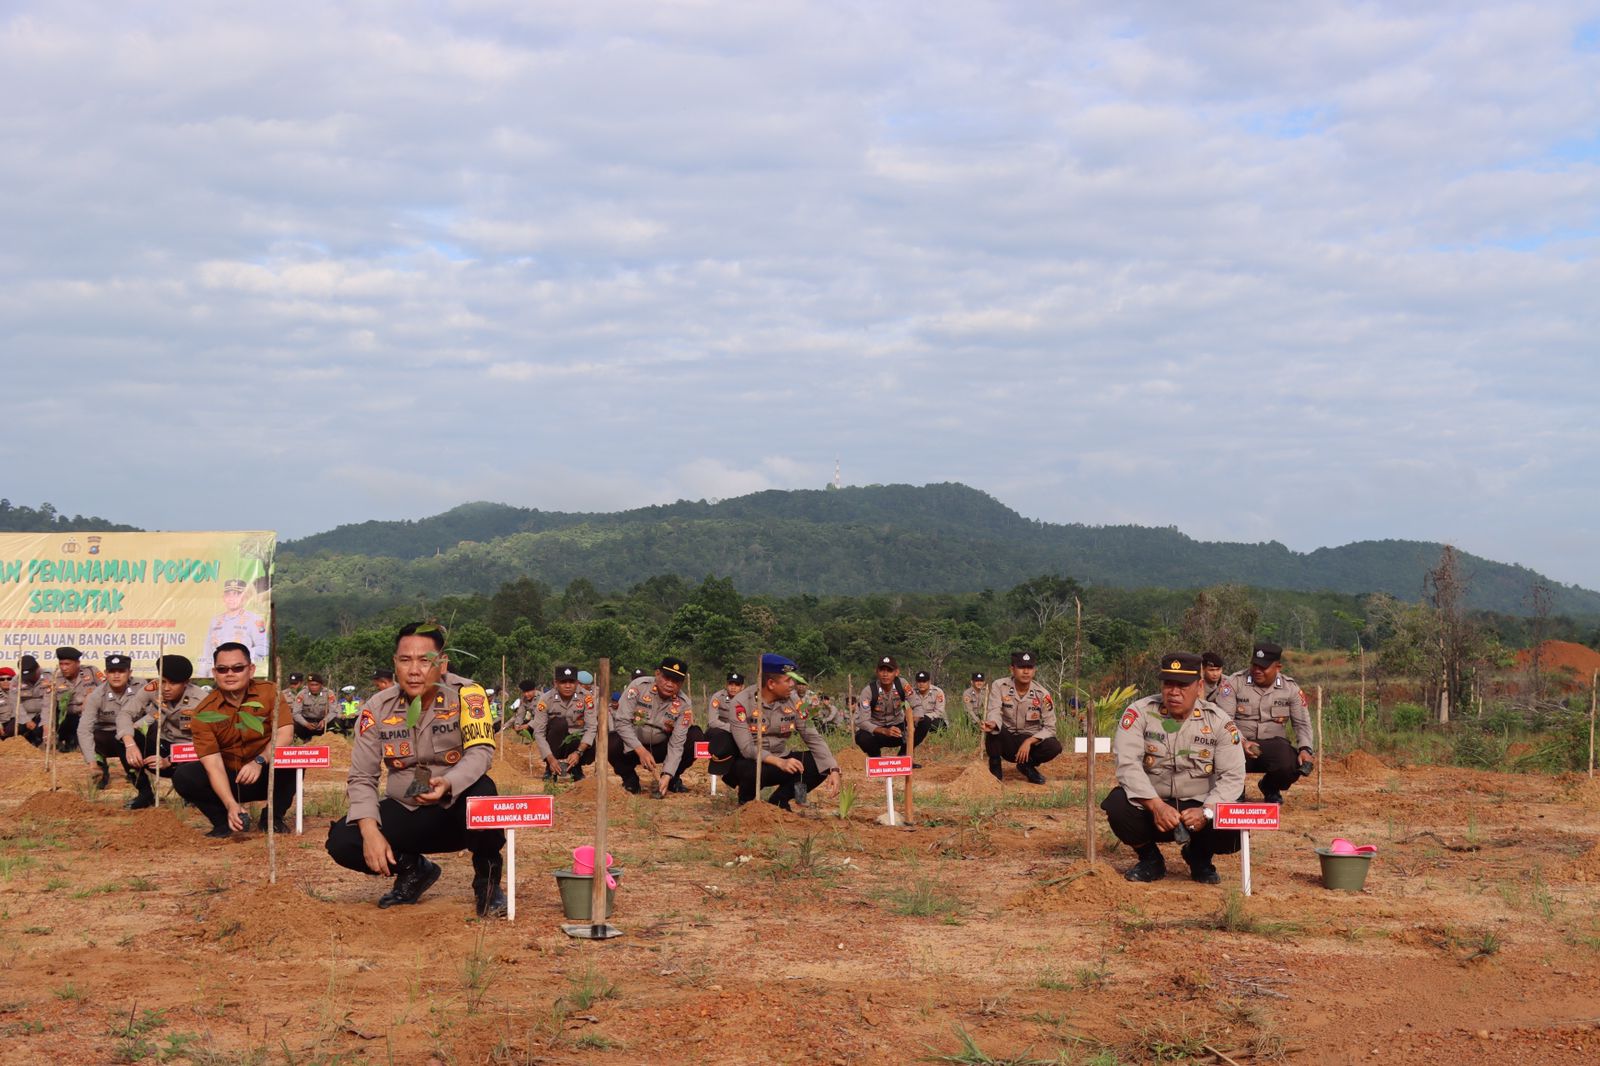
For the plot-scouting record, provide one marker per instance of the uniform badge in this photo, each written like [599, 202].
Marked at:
[452, 757]
[1303, 701]
[1233, 731]
[365, 723]
[1129, 717]
[739, 713]
[394, 719]
[397, 764]
[388, 751]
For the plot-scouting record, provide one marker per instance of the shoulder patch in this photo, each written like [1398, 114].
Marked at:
[366, 722]
[1129, 716]
[1303, 701]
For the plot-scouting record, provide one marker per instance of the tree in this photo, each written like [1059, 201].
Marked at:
[1043, 598]
[517, 601]
[1222, 619]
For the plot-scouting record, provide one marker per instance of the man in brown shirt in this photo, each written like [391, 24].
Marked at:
[236, 730]
[434, 733]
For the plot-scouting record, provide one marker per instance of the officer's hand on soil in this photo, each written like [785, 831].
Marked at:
[1166, 815]
[436, 793]
[662, 783]
[572, 760]
[647, 760]
[830, 785]
[1252, 749]
[375, 850]
[1194, 819]
[555, 765]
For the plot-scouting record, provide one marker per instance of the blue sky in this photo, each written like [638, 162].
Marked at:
[1315, 272]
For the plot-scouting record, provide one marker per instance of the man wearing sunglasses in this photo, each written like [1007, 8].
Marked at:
[236, 729]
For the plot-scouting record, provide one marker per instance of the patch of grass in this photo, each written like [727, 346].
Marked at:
[69, 992]
[27, 1027]
[1054, 982]
[1051, 799]
[55, 884]
[595, 1042]
[11, 865]
[1486, 946]
[477, 973]
[141, 884]
[587, 988]
[102, 889]
[1233, 917]
[804, 861]
[970, 1054]
[1089, 978]
[38, 930]
[924, 899]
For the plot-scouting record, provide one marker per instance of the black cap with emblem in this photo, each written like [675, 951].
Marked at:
[566, 673]
[1180, 666]
[673, 667]
[118, 662]
[1265, 654]
[735, 677]
[1024, 658]
[922, 675]
[978, 676]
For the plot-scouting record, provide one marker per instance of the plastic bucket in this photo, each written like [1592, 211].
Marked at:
[577, 894]
[1344, 873]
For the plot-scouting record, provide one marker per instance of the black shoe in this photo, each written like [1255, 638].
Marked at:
[1147, 870]
[631, 783]
[916, 766]
[576, 773]
[1271, 797]
[280, 826]
[994, 768]
[414, 877]
[144, 799]
[549, 775]
[488, 899]
[1031, 772]
[220, 832]
[676, 785]
[105, 780]
[1205, 875]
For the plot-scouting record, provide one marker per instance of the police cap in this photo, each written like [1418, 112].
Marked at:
[1266, 654]
[1180, 666]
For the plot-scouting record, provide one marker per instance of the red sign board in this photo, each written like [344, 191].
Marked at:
[1247, 816]
[510, 812]
[302, 759]
[702, 749]
[889, 766]
[183, 753]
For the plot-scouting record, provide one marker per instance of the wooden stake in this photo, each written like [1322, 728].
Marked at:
[602, 764]
[505, 704]
[1320, 740]
[1090, 728]
[155, 779]
[50, 712]
[760, 726]
[1361, 722]
[271, 726]
[911, 753]
[1594, 693]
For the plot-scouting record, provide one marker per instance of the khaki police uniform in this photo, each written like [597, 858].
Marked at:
[719, 732]
[975, 700]
[1200, 764]
[106, 725]
[645, 718]
[885, 708]
[313, 713]
[454, 738]
[68, 698]
[776, 723]
[928, 705]
[1020, 715]
[246, 627]
[1221, 694]
[1263, 715]
[29, 702]
[561, 727]
[175, 722]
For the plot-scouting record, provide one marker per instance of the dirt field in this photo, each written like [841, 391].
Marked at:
[764, 936]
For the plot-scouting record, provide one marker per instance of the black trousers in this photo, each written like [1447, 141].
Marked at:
[340, 725]
[424, 831]
[189, 780]
[875, 745]
[34, 736]
[1278, 764]
[563, 741]
[150, 744]
[107, 746]
[304, 735]
[67, 731]
[1135, 826]
[741, 772]
[723, 751]
[625, 761]
[1004, 745]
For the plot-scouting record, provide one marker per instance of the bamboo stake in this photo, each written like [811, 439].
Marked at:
[270, 724]
[911, 753]
[597, 897]
[1090, 728]
[50, 711]
[505, 702]
[1361, 726]
[155, 781]
[1594, 692]
[1320, 740]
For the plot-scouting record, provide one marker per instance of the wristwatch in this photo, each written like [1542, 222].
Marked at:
[1210, 814]
[261, 760]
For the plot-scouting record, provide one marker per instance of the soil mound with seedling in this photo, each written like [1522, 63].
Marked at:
[260, 914]
[155, 829]
[1079, 884]
[585, 792]
[1362, 765]
[975, 783]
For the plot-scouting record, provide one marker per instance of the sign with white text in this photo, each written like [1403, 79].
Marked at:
[1247, 816]
[302, 759]
[702, 749]
[889, 766]
[184, 753]
[510, 812]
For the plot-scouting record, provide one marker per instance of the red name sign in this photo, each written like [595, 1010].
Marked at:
[183, 753]
[702, 749]
[510, 812]
[302, 759]
[1247, 816]
[889, 766]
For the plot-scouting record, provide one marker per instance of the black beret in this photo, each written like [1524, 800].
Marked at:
[1211, 658]
[295, 679]
[70, 654]
[528, 684]
[176, 668]
[315, 677]
[27, 663]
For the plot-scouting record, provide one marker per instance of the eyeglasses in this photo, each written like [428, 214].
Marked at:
[237, 668]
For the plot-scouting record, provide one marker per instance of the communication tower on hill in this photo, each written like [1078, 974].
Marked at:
[836, 482]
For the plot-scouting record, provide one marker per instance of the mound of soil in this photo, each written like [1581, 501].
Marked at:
[763, 817]
[1360, 764]
[851, 759]
[159, 829]
[975, 783]
[1586, 867]
[585, 792]
[258, 914]
[1561, 655]
[59, 804]
[1078, 885]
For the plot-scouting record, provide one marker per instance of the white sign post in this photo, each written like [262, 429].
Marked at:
[1245, 817]
[702, 750]
[300, 760]
[889, 767]
[511, 813]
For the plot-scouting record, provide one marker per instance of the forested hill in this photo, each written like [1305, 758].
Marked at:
[46, 519]
[853, 541]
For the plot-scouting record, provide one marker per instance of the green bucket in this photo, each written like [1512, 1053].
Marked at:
[577, 894]
[1344, 873]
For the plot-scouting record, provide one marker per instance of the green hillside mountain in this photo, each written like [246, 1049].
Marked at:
[853, 541]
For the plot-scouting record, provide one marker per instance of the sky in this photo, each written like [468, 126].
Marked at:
[1312, 272]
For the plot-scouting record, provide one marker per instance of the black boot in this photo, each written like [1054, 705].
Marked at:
[145, 796]
[414, 875]
[105, 776]
[1031, 772]
[1201, 868]
[1150, 867]
[630, 781]
[677, 785]
[576, 773]
[994, 766]
[487, 896]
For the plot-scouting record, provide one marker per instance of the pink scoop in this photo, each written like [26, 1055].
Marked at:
[1341, 846]
[583, 864]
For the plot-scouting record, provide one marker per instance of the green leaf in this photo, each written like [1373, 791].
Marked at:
[1171, 726]
[251, 703]
[414, 712]
[251, 722]
[211, 716]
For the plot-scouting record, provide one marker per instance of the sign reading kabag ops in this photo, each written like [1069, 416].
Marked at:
[134, 593]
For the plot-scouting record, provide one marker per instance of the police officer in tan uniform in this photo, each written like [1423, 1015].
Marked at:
[1219, 689]
[1177, 758]
[653, 725]
[313, 710]
[719, 725]
[438, 754]
[881, 711]
[105, 728]
[70, 688]
[565, 723]
[1019, 721]
[927, 702]
[975, 698]
[15, 719]
[177, 697]
[771, 710]
[32, 700]
[234, 625]
[1265, 702]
